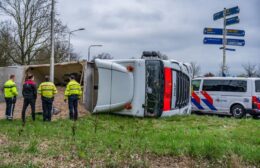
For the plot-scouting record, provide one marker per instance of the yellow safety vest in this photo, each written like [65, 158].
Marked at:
[10, 89]
[47, 89]
[73, 88]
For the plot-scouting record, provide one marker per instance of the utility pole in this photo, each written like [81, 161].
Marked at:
[52, 42]
[224, 44]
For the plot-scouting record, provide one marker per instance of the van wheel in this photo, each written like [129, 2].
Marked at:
[238, 111]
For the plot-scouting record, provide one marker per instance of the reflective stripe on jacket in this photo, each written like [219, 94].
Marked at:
[10, 89]
[47, 89]
[73, 88]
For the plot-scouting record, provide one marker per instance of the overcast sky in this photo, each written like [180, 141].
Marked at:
[174, 27]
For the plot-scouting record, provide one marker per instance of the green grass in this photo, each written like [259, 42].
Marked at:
[128, 141]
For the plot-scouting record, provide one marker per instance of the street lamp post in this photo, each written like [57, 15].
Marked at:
[70, 33]
[90, 48]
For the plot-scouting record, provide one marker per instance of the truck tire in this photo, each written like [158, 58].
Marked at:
[238, 111]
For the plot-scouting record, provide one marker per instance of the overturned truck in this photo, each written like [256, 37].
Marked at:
[148, 87]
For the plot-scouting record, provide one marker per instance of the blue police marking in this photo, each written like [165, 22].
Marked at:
[197, 104]
[219, 41]
[218, 31]
[233, 20]
[230, 11]
[211, 106]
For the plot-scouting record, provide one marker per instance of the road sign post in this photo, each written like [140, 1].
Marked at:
[228, 12]
[224, 41]
[219, 31]
[233, 20]
[220, 41]
[228, 49]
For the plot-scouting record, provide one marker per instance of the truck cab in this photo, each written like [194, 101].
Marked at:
[147, 87]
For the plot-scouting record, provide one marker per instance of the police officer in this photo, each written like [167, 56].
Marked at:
[47, 90]
[30, 96]
[72, 93]
[10, 92]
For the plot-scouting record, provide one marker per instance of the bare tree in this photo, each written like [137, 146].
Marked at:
[6, 44]
[31, 27]
[103, 56]
[162, 56]
[209, 74]
[61, 47]
[258, 71]
[31, 32]
[250, 70]
[195, 69]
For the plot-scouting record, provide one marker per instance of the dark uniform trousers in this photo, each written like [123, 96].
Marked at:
[10, 104]
[73, 106]
[47, 108]
[26, 103]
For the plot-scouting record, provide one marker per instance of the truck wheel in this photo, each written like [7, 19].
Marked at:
[238, 111]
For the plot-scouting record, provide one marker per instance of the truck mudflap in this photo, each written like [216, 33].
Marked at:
[115, 86]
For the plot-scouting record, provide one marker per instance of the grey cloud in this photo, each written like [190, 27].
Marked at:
[127, 27]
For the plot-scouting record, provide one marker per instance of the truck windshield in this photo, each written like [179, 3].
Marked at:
[257, 86]
[154, 88]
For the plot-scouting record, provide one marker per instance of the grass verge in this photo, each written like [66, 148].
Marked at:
[119, 141]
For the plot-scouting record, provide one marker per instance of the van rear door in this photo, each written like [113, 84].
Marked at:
[115, 86]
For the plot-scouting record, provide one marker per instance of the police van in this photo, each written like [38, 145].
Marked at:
[226, 95]
[146, 87]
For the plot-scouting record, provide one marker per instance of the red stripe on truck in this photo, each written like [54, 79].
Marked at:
[167, 89]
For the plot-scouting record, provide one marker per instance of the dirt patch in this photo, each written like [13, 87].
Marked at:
[155, 161]
[150, 160]
[58, 104]
[3, 140]
[171, 162]
[59, 162]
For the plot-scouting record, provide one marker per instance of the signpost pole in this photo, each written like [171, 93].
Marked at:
[224, 44]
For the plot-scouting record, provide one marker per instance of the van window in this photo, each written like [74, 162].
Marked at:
[196, 85]
[212, 85]
[257, 86]
[225, 85]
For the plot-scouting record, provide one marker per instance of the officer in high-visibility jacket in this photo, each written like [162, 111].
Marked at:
[73, 93]
[10, 92]
[47, 90]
